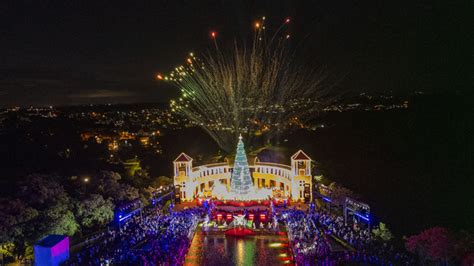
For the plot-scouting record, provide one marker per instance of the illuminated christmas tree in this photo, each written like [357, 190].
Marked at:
[241, 183]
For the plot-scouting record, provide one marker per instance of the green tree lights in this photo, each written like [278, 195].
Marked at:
[241, 183]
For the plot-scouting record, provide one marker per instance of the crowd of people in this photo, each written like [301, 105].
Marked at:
[307, 238]
[152, 238]
[169, 244]
[309, 234]
[353, 234]
[156, 238]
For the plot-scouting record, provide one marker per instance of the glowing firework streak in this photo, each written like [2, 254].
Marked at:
[257, 90]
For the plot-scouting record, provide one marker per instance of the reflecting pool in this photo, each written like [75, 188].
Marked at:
[218, 249]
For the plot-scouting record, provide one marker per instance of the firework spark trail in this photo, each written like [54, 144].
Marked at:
[247, 90]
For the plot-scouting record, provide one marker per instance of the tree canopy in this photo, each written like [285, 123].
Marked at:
[94, 211]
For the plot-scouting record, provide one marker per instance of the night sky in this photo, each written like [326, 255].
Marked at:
[74, 52]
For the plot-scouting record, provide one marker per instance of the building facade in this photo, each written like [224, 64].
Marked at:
[292, 181]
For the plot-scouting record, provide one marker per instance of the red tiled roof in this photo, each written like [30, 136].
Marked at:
[183, 157]
[300, 155]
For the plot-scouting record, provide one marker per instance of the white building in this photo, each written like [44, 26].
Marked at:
[293, 181]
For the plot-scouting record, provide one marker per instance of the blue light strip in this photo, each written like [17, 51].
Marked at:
[128, 215]
[326, 199]
[362, 216]
[125, 217]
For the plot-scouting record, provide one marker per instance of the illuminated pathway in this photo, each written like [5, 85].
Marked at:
[217, 249]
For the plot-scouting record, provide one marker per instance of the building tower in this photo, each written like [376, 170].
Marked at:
[183, 180]
[301, 182]
[241, 182]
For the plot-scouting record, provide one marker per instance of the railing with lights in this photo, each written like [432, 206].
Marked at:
[358, 209]
[126, 211]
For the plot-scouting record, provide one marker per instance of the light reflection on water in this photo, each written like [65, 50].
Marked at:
[227, 250]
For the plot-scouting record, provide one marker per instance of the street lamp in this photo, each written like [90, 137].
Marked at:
[86, 182]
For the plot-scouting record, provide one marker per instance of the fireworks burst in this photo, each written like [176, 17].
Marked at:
[257, 91]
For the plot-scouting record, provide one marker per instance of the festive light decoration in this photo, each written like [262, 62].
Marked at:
[241, 185]
[241, 181]
[270, 182]
[239, 220]
[253, 90]
[219, 191]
